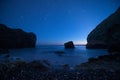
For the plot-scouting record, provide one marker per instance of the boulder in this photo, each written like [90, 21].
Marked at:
[15, 38]
[39, 65]
[106, 33]
[69, 45]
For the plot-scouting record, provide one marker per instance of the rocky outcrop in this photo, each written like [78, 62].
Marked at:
[113, 48]
[4, 51]
[15, 38]
[114, 38]
[69, 45]
[106, 33]
[96, 44]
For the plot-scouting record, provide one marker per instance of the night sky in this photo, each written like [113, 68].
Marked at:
[56, 21]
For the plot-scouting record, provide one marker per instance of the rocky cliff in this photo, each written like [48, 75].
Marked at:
[106, 33]
[15, 38]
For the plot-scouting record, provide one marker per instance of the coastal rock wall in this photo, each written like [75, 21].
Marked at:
[106, 33]
[15, 38]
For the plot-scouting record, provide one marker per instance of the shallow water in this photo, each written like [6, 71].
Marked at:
[70, 56]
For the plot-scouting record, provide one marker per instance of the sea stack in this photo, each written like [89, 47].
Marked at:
[69, 45]
[106, 34]
[16, 38]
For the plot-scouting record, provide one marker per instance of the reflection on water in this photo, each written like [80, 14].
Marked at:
[69, 56]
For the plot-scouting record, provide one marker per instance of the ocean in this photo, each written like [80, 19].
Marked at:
[48, 53]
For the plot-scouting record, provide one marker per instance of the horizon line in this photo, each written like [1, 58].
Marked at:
[59, 44]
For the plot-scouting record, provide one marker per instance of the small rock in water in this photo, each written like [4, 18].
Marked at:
[69, 45]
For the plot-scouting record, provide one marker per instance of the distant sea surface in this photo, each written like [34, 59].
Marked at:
[70, 56]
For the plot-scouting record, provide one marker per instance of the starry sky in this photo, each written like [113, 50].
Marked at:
[56, 21]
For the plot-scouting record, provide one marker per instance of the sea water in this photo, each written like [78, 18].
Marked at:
[71, 57]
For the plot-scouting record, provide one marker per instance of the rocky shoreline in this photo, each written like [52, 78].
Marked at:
[101, 68]
[64, 75]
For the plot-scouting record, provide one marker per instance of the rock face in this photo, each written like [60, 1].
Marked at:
[106, 33]
[15, 38]
[4, 51]
[69, 45]
[114, 48]
[114, 38]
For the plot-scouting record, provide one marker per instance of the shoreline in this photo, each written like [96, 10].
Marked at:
[101, 68]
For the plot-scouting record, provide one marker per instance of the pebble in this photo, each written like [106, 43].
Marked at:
[31, 73]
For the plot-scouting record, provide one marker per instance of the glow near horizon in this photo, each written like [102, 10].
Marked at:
[62, 43]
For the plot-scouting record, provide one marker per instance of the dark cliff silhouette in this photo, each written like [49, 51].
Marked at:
[15, 38]
[107, 33]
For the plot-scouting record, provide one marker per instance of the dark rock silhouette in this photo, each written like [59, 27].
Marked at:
[39, 65]
[4, 51]
[106, 33]
[96, 44]
[114, 48]
[113, 36]
[15, 38]
[69, 45]
[7, 56]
